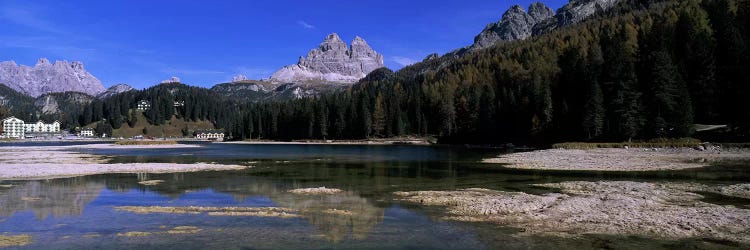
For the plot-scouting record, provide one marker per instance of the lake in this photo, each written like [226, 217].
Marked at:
[82, 212]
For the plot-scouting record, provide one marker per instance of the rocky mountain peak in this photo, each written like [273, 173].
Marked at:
[114, 90]
[173, 79]
[46, 77]
[515, 9]
[76, 65]
[517, 24]
[42, 62]
[239, 78]
[360, 49]
[332, 61]
[333, 42]
[538, 11]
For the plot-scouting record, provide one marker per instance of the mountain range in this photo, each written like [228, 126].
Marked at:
[332, 61]
[46, 77]
[333, 64]
[518, 24]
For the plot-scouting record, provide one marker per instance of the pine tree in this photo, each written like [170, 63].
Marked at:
[378, 117]
[593, 118]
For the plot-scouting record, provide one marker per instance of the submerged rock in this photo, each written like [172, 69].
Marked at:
[316, 191]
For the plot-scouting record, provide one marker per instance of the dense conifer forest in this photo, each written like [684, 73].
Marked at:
[646, 69]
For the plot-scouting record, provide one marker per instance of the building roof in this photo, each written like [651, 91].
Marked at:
[11, 118]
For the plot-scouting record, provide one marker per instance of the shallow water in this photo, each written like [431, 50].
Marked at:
[81, 212]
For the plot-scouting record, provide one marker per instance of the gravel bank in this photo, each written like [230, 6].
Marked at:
[56, 162]
[316, 191]
[617, 159]
[617, 207]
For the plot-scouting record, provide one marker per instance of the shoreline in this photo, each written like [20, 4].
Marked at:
[658, 210]
[618, 159]
[51, 162]
[416, 142]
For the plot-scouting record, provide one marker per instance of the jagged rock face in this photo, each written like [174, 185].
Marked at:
[114, 90]
[517, 24]
[46, 77]
[239, 78]
[54, 102]
[574, 12]
[578, 10]
[174, 79]
[432, 56]
[332, 61]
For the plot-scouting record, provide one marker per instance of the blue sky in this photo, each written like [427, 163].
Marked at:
[207, 42]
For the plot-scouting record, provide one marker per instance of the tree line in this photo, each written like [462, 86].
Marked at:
[646, 69]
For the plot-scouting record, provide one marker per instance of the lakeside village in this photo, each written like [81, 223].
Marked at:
[17, 129]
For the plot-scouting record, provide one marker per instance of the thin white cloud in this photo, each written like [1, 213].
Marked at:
[404, 61]
[29, 19]
[306, 25]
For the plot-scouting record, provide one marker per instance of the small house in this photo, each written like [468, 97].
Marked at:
[86, 132]
[144, 105]
[212, 135]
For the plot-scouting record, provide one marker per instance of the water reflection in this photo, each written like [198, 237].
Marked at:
[363, 214]
[58, 198]
[335, 216]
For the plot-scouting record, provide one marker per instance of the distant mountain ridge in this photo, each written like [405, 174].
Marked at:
[518, 24]
[332, 61]
[114, 90]
[46, 77]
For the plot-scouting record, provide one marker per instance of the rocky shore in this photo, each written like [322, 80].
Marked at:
[619, 159]
[26, 163]
[606, 207]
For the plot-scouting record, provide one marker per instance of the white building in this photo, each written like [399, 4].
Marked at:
[144, 105]
[40, 127]
[217, 135]
[86, 132]
[18, 129]
[13, 128]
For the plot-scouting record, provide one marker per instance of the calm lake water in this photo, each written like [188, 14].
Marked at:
[79, 212]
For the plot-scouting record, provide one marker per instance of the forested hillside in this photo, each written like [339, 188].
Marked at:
[645, 69]
[200, 104]
[14, 103]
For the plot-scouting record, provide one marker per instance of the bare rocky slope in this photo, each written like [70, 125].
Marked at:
[114, 90]
[333, 61]
[46, 77]
[518, 24]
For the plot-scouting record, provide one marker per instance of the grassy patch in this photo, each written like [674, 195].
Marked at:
[172, 128]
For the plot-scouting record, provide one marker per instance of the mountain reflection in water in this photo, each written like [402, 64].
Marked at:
[59, 198]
